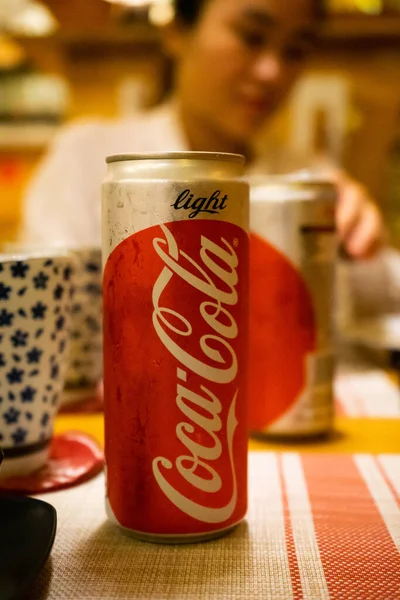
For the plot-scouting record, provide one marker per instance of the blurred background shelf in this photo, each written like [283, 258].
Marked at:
[347, 29]
[358, 28]
[136, 36]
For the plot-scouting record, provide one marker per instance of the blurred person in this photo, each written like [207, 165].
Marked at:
[235, 64]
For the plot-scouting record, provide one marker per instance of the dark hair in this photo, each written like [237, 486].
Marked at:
[188, 11]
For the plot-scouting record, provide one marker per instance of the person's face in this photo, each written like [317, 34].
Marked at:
[239, 61]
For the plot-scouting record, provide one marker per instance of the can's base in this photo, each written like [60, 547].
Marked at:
[170, 539]
[179, 539]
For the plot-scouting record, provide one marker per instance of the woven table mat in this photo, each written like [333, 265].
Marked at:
[366, 392]
[318, 527]
[365, 384]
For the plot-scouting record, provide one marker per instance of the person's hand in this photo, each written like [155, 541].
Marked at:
[358, 220]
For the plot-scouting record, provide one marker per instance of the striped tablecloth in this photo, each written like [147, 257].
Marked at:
[318, 527]
[364, 391]
[364, 387]
[323, 521]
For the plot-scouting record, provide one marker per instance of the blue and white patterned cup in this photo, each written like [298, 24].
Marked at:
[85, 367]
[35, 300]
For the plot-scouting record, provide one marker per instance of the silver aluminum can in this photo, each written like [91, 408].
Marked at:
[292, 265]
[175, 290]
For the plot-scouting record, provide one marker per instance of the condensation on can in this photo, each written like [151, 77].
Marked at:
[161, 212]
[292, 256]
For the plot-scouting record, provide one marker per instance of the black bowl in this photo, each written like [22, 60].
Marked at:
[27, 532]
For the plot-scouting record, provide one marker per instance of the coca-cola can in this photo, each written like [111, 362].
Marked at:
[292, 256]
[175, 291]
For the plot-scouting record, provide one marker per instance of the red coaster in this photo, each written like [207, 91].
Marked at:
[74, 458]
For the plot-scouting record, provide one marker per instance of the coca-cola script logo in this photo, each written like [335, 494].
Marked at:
[197, 205]
[200, 408]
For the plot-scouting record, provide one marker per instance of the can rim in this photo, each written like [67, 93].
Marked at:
[228, 157]
[293, 179]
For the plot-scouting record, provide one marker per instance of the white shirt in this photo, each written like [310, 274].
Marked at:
[63, 202]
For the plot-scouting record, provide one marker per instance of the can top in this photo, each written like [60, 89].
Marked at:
[294, 186]
[235, 158]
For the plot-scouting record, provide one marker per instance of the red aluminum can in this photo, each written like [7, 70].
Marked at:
[292, 259]
[175, 293]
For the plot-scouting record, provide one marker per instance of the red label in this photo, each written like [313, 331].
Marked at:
[175, 338]
[282, 334]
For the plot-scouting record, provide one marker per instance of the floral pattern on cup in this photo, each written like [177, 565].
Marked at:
[35, 299]
[86, 344]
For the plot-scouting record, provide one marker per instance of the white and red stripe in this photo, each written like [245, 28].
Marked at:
[264, 481]
[382, 494]
[339, 518]
[359, 557]
[390, 463]
[309, 563]
[291, 551]
[358, 391]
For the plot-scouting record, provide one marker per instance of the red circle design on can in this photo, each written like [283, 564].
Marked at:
[175, 348]
[282, 334]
